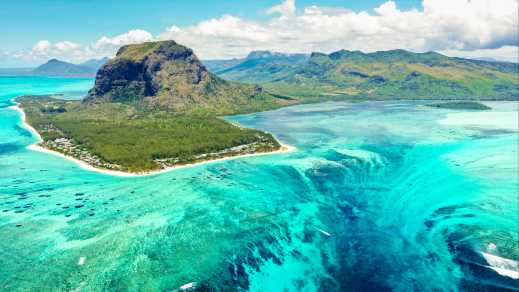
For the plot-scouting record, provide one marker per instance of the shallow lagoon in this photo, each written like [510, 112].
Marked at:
[379, 196]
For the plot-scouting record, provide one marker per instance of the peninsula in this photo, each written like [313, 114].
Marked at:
[153, 107]
[156, 106]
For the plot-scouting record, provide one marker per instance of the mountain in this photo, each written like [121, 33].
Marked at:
[218, 65]
[170, 76]
[258, 66]
[386, 75]
[95, 64]
[152, 107]
[56, 67]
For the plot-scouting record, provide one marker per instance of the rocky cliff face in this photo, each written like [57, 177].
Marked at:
[170, 76]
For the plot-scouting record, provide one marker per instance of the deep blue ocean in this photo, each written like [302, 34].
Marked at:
[378, 196]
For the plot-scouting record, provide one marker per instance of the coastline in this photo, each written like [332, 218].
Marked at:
[35, 147]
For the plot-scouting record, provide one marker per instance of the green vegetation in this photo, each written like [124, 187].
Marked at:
[122, 137]
[461, 105]
[156, 105]
[153, 106]
[137, 52]
[257, 67]
[396, 74]
[168, 76]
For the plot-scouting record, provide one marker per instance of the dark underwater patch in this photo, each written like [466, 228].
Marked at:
[22, 131]
[478, 275]
[483, 133]
[9, 148]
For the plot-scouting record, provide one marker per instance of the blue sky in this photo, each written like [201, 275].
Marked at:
[24, 22]
[71, 29]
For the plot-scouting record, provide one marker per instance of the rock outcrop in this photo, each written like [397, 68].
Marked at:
[170, 76]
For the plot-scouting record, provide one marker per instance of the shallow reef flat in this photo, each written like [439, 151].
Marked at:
[379, 196]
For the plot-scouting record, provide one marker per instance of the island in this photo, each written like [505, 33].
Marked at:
[153, 107]
[58, 68]
[461, 105]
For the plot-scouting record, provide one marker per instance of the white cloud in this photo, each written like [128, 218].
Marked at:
[388, 8]
[458, 27]
[45, 49]
[455, 25]
[74, 52]
[286, 8]
[505, 53]
[132, 37]
[66, 46]
[41, 47]
[228, 34]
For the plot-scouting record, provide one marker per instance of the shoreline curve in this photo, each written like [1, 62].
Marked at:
[37, 148]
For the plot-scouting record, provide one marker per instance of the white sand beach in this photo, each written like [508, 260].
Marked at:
[35, 147]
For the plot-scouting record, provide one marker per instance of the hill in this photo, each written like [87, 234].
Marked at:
[95, 64]
[216, 66]
[258, 66]
[55, 68]
[388, 75]
[169, 76]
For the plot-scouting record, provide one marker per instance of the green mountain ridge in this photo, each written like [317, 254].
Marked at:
[95, 64]
[258, 66]
[392, 74]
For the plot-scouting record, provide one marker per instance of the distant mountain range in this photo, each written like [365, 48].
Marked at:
[58, 68]
[395, 74]
[95, 63]
[381, 75]
[258, 66]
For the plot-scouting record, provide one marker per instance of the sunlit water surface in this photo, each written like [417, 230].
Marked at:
[379, 196]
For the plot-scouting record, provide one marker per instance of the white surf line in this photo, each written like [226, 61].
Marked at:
[188, 286]
[35, 147]
[503, 266]
[24, 122]
[323, 232]
[86, 166]
[81, 261]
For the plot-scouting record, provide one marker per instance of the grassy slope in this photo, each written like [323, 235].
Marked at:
[391, 75]
[263, 69]
[132, 138]
[180, 83]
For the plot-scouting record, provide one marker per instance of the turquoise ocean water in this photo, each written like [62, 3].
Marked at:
[379, 196]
